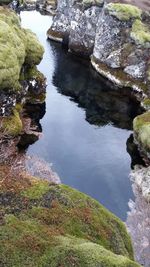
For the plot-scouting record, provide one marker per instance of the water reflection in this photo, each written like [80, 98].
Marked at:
[102, 102]
[35, 113]
[134, 153]
[87, 157]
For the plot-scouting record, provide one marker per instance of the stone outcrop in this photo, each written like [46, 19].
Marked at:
[116, 37]
[20, 81]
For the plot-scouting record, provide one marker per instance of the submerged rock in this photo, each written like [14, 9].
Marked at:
[46, 224]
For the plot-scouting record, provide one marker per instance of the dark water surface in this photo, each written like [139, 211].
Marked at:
[86, 125]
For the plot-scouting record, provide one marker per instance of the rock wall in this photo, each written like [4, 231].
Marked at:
[116, 37]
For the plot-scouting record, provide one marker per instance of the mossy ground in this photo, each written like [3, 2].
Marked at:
[123, 12]
[53, 225]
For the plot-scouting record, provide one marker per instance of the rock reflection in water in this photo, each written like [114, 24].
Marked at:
[134, 153]
[102, 102]
[35, 113]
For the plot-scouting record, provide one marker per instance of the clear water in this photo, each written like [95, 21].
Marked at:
[86, 125]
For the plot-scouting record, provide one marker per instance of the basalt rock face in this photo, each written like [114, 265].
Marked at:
[116, 36]
[122, 46]
[117, 39]
[75, 22]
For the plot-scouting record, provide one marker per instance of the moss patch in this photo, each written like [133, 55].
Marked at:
[140, 33]
[88, 3]
[37, 190]
[34, 50]
[123, 12]
[68, 211]
[50, 225]
[12, 125]
[141, 126]
[17, 46]
[32, 244]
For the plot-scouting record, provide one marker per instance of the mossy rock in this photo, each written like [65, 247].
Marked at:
[39, 217]
[12, 125]
[89, 3]
[123, 12]
[140, 33]
[34, 50]
[141, 126]
[17, 47]
[28, 243]
[79, 252]
[146, 103]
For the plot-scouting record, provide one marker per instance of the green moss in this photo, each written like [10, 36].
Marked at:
[12, 125]
[88, 3]
[68, 211]
[37, 190]
[123, 12]
[16, 47]
[141, 126]
[79, 252]
[33, 73]
[140, 33]
[34, 50]
[146, 103]
[55, 224]
[29, 243]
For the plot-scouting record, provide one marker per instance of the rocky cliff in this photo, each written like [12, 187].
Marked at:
[115, 37]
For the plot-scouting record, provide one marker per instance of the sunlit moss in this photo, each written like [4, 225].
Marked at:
[17, 46]
[36, 190]
[140, 33]
[12, 125]
[88, 3]
[123, 12]
[29, 243]
[141, 126]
